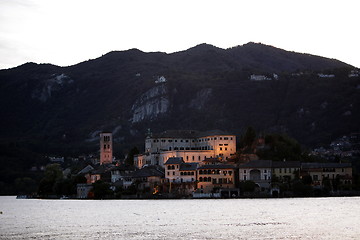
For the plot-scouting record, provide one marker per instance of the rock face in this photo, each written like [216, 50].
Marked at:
[151, 104]
[201, 98]
[45, 89]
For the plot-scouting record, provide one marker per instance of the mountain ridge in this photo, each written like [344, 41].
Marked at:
[205, 87]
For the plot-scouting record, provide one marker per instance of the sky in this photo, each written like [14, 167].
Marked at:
[66, 32]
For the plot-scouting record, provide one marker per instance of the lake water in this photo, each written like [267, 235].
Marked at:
[296, 218]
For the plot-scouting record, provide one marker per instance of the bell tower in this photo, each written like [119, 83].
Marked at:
[106, 148]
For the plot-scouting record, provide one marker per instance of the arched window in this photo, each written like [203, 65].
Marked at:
[169, 167]
[201, 172]
[209, 179]
[205, 179]
[200, 179]
[172, 167]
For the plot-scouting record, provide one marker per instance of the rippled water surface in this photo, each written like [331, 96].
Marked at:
[308, 218]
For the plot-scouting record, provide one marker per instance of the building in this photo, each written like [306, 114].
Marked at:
[285, 171]
[178, 171]
[191, 146]
[83, 190]
[122, 176]
[258, 171]
[318, 172]
[148, 179]
[106, 148]
[215, 177]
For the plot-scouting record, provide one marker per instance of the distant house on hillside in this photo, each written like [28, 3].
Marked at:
[321, 75]
[254, 77]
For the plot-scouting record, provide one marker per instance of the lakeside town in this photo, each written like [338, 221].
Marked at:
[193, 164]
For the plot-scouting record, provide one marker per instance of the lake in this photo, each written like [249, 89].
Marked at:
[291, 218]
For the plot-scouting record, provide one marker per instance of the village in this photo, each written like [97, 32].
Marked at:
[193, 164]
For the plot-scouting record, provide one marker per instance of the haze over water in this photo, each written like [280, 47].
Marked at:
[297, 218]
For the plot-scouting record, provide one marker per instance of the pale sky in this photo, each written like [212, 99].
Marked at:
[66, 32]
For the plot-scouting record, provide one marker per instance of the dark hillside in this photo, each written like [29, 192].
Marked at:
[205, 87]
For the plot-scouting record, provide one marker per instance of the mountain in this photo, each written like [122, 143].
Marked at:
[62, 109]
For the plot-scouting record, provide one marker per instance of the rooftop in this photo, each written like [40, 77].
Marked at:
[257, 164]
[174, 160]
[325, 165]
[189, 134]
[286, 164]
[217, 166]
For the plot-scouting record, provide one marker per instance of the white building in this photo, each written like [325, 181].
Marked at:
[258, 171]
[192, 146]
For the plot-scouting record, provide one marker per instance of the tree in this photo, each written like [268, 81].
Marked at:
[53, 173]
[281, 147]
[248, 186]
[25, 185]
[101, 190]
[248, 139]
[130, 157]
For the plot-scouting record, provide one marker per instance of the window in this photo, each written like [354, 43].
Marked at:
[244, 171]
[193, 158]
[265, 171]
[200, 179]
[221, 138]
[168, 173]
[221, 149]
[284, 170]
[173, 173]
[315, 177]
[169, 140]
[181, 173]
[220, 144]
[214, 138]
[280, 170]
[225, 149]
[245, 178]
[225, 138]
[187, 140]
[187, 158]
[226, 144]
